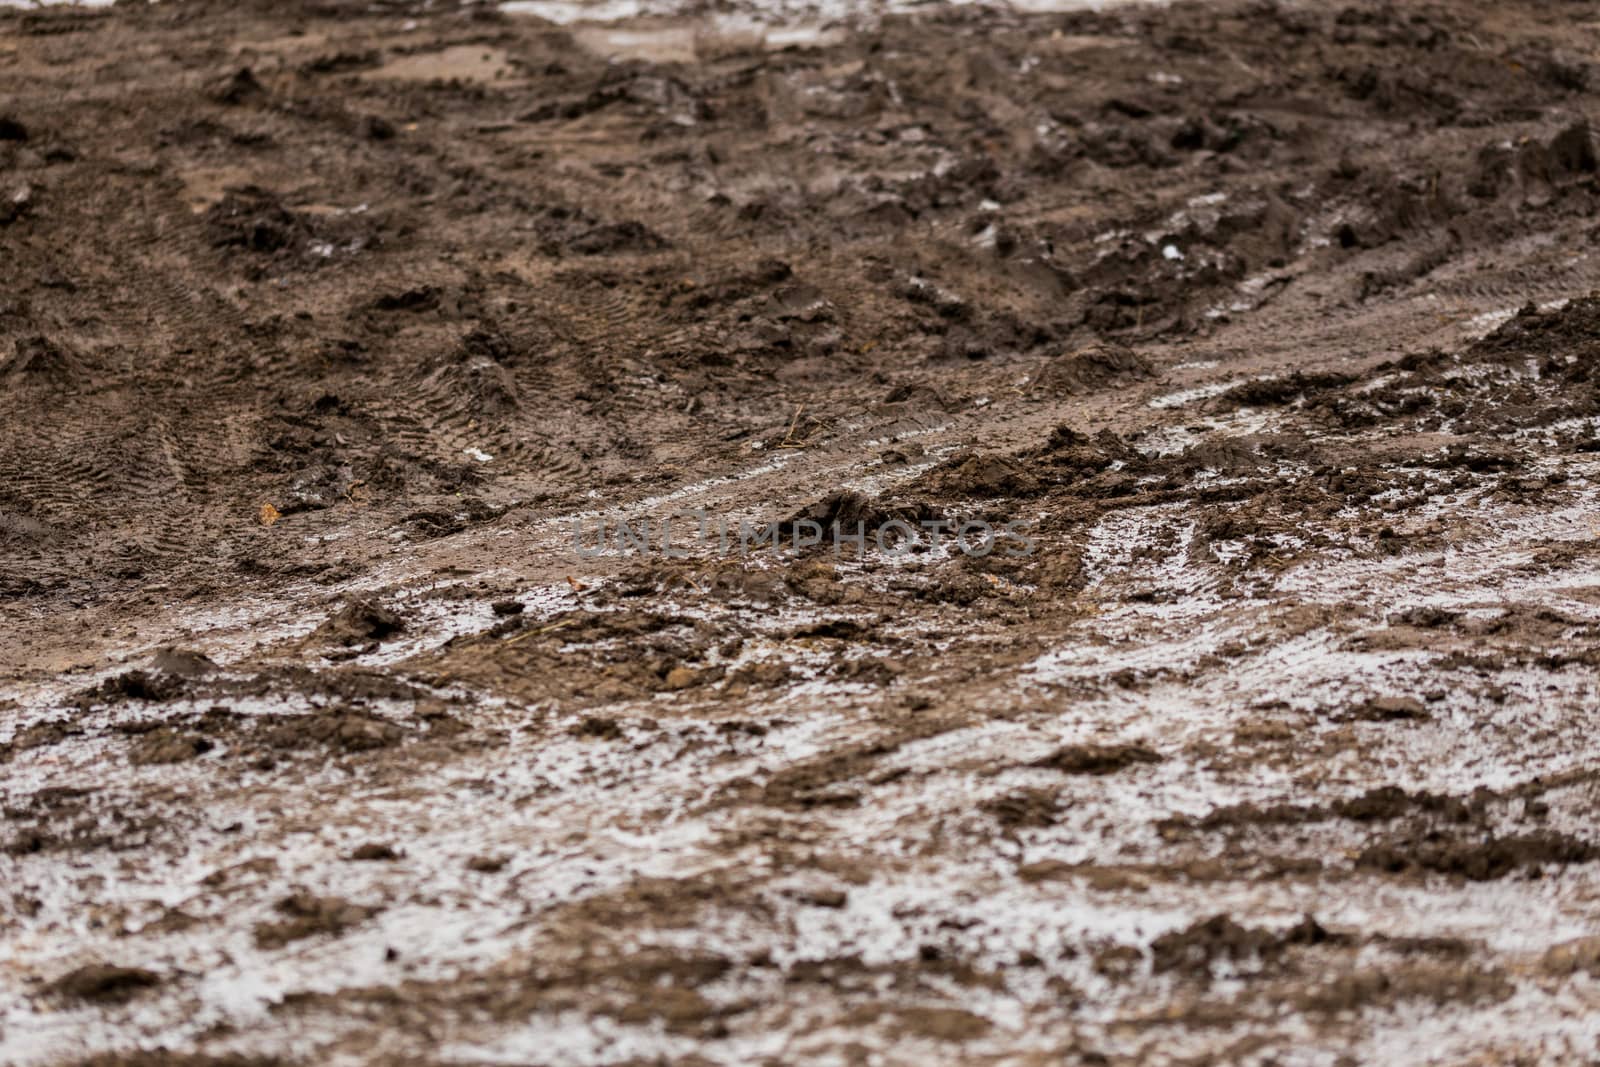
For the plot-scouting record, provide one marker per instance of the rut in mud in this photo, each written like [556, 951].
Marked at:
[1271, 328]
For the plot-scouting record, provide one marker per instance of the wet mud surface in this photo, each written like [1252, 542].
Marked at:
[1274, 329]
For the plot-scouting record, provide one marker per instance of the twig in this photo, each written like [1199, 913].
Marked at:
[562, 625]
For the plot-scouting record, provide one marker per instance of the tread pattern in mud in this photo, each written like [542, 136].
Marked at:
[1274, 324]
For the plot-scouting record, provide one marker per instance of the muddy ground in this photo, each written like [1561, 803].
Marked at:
[1269, 324]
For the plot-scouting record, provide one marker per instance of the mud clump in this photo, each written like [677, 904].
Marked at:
[240, 87]
[1570, 957]
[167, 745]
[978, 474]
[182, 663]
[1277, 392]
[362, 621]
[1097, 759]
[375, 852]
[38, 359]
[252, 219]
[605, 238]
[1573, 149]
[1477, 861]
[838, 779]
[1194, 950]
[1099, 366]
[100, 983]
[1565, 341]
[573, 232]
[849, 513]
[1384, 987]
[307, 915]
[1380, 804]
[1391, 709]
[1072, 455]
[1392, 802]
[15, 203]
[146, 686]
[1024, 809]
[598, 727]
[342, 731]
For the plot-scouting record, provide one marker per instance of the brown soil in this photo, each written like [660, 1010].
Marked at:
[1264, 336]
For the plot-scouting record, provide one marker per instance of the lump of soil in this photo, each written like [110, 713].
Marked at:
[421, 298]
[1092, 368]
[37, 736]
[1079, 455]
[978, 474]
[15, 204]
[375, 852]
[488, 341]
[1096, 759]
[133, 685]
[361, 621]
[829, 781]
[610, 237]
[254, 219]
[306, 915]
[601, 727]
[1477, 861]
[1573, 149]
[1277, 392]
[852, 512]
[182, 663]
[101, 983]
[1391, 709]
[1425, 618]
[491, 388]
[1024, 809]
[919, 395]
[941, 1024]
[1192, 950]
[345, 731]
[1387, 986]
[1548, 336]
[239, 87]
[166, 745]
[1391, 802]
[1230, 455]
[681, 678]
[1582, 954]
[39, 359]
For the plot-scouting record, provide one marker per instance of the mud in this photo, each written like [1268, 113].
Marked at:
[330, 334]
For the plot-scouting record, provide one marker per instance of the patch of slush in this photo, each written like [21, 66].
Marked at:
[774, 11]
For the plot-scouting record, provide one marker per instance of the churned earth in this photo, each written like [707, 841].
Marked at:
[331, 333]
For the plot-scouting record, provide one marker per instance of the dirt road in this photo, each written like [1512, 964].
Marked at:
[1269, 739]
